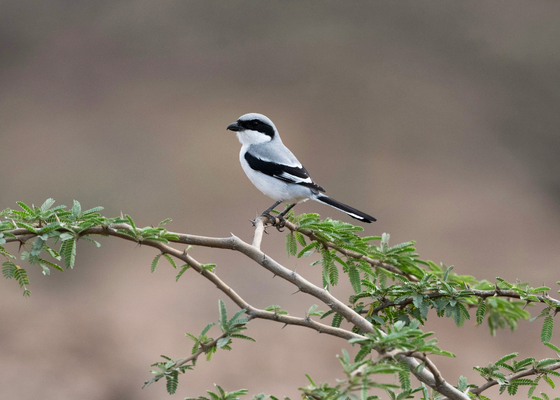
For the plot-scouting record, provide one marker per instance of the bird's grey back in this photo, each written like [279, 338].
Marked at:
[274, 151]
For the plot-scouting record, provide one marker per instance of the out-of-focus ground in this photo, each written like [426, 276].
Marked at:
[439, 118]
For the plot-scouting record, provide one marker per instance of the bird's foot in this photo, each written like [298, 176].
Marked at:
[277, 221]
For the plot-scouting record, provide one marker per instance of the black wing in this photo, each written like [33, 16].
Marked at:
[296, 175]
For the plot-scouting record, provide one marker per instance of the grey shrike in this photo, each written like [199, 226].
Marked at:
[275, 171]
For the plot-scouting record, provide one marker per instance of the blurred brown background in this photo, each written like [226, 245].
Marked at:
[439, 118]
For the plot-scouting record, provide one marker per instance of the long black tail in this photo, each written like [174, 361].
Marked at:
[357, 214]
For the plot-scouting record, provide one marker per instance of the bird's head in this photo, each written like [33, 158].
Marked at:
[254, 128]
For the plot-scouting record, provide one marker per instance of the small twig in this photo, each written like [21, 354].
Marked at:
[259, 230]
[193, 357]
[511, 377]
[349, 253]
[474, 292]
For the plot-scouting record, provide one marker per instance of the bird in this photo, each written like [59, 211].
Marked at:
[276, 172]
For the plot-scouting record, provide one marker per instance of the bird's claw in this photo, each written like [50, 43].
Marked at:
[278, 221]
[280, 224]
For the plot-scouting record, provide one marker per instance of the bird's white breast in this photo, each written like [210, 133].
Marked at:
[273, 187]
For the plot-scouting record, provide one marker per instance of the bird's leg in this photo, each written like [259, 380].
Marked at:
[286, 210]
[269, 209]
[266, 213]
[280, 216]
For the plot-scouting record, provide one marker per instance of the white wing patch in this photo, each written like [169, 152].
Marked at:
[295, 179]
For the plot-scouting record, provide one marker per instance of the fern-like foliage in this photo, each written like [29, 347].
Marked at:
[203, 344]
[223, 395]
[360, 379]
[421, 285]
[54, 233]
[391, 287]
[546, 332]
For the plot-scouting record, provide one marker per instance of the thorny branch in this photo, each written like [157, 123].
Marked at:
[517, 375]
[253, 252]
[430, 375]
[474, 292]
[203, 348]
[349, 253]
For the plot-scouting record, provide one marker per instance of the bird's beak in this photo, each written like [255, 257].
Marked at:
[234, 127]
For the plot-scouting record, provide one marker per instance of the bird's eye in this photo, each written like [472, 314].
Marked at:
[254, 123]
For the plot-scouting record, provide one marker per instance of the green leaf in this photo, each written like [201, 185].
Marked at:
[447, 271]
[364, 351]
[9, 269]
[208, 267]
[300, 238]
[223, 342]
[553, 347]
[506, 358]
[20, 275]
[68, 251]
[182, 271]
[5, 253]
[27, 226]
[207, 328]
[25, 207]
[307, 250]
[53, 253]
[172, 382]
[337, 320]
[155, 262]
[291, 244]
[92, 210]
[546, 362]
[76, 209]
[504, 282]
[46, 270]
[239, 336]
[540, 289]
[312, 311]
[47, 204]
[329, 267]
[37, 246]
[131, 223]
[532, 388]
[512, 389]
[404, 376]
[354, 277]
[463, 385]
[65, 236]
[236, 317]
[480, 311]
[57, 267]
[546, 332]
[333, 274]
[164, 222]
[171, 261]
[464, 311]
[223, 313]
[325, 276]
